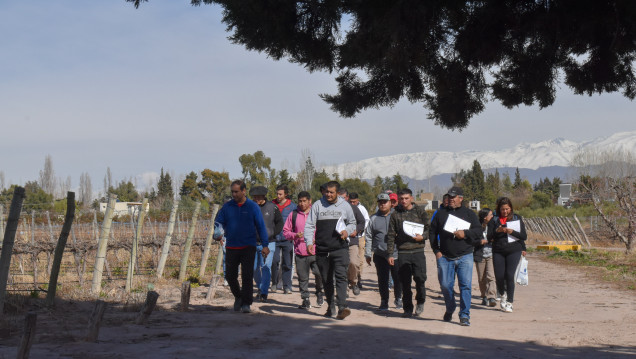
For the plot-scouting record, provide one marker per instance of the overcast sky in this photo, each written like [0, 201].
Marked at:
[100, 84]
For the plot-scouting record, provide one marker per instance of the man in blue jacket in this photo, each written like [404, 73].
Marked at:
[242, 219]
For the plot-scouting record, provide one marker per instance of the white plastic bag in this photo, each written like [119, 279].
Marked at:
[522, 272]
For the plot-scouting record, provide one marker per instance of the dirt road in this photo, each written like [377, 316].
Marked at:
[562, 313]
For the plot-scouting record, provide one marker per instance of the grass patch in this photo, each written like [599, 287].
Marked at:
[620, 267]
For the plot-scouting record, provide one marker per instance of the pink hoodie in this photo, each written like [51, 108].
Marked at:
[290, 233]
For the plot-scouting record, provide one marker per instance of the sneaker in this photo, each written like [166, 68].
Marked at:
[359, 284]
[484, 302]
[492, 302]
[237, 304]
[419, 309]
[246, 309]
[398, 303]
[225, 283]
[502, 297]
[262, 298]
[356, 290]
[464, 322]
[306, 304]
[331, 311]
[384, 305]
[507, 308]
[287, 291]
[343, 313]
[502, 304]
[407, 315]
[448, 316]
[272, 290]
[320, 299]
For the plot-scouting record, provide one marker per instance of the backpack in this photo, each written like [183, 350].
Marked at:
[294, 215]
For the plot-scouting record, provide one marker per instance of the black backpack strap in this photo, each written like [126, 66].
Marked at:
[294, 215]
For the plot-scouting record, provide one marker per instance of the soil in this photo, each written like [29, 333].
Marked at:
[565, 312]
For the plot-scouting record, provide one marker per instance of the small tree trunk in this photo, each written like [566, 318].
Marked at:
[102, 246]
[165, 249]
[208, 242]
[133, 249]
[9, 240]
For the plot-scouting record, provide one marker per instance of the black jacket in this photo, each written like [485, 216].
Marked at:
[500, 240]
[355, 240]
[396, 236]
[450, 246]
[273, 220]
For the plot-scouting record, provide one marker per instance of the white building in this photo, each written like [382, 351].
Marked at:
[124, 208]
[565, 193]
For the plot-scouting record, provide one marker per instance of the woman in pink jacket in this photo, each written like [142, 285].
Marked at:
[293, 230]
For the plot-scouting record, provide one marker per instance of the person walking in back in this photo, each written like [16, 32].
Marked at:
[293, 230]
[376, 250]
[242, 222]
[508, 235]
[274, 224]
[354, 244]
[483, 263]
[282, 258]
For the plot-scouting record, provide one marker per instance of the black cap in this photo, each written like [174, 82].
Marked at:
[455, 191]
[258, 191]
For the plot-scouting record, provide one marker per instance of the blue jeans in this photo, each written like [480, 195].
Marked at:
[463, 268]
[263, 268]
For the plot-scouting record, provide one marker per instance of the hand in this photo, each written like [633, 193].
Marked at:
[265, 252]
[419, 237]
[355, 232]
[460, 234]
[368, 260]
[500, 229]
[523, 253]
[300, 234]
[391, 261]
[310, 249]
[484, 241]
[438, 255]
[344, 235]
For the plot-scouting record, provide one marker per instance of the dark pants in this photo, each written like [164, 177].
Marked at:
[412, 265]
[303, 265]
[383, 268]
[245, 258]
[285, 251]
[505, 268]
[332, 264]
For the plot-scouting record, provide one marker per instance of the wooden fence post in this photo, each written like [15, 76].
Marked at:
[208, 242]
[52, 240]
[582, 231]
[148, 307]
[165, 249]
[133, 249]
[34, 255]
[95, 321]
[27, 335]
[216, 278]
[188, 244]
[59, 249]
[8, 241]
[1, 219]
[102, 246]
[185, 295]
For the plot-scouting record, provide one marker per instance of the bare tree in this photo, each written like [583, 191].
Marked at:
[85, 190]
[47, 176]
[2, 180]
[608, 177]
[63, 186]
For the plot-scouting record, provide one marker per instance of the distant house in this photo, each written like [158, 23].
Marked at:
[123, 208]
[425, 200]
[474, 205]
[565, 194]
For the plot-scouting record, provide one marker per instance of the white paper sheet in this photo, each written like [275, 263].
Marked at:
[454, 223]
[412, 228]
[341, 225]
[515, 226]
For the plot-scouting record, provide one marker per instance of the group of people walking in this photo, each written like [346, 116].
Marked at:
[334, 235]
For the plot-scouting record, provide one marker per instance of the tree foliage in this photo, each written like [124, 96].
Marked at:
[452, 56]
[215, 185]
[126, 192]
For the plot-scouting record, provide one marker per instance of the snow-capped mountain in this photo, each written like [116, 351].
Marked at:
[423, 165]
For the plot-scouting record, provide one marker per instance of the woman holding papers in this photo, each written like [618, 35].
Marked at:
[508, 235]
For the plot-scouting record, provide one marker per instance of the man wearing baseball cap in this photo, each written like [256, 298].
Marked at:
[376, 246]
[458, 230]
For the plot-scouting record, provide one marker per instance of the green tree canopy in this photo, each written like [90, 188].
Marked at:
[452, 56]
[215, 185]
[126, 192]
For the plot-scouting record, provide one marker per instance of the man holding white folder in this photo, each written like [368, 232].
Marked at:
[459, 231]
[407, 227]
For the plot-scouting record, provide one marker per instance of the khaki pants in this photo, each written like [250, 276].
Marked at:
[354, 265]
[486, 277]
[361, 256]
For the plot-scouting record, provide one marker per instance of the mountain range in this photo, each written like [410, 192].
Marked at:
[550, 158]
